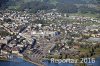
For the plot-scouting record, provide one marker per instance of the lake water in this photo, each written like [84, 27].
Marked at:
[20, 62]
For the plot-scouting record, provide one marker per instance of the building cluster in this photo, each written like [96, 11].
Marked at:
[25, 37]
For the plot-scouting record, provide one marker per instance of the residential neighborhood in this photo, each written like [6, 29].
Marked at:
[47, 34]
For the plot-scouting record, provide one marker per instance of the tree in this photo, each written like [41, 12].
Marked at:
[3, 2]
[34, 6]
[56, 56]
[7, 20]
[4, 33]
[85, 9]
[63, 56]
[67, 8]
[98, 1]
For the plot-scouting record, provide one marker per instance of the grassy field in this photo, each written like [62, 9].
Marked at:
[86, 15]
[84, 49]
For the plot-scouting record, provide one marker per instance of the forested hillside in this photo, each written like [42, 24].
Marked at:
[65, 6]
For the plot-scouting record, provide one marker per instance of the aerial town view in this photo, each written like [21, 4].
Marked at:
[49, 32]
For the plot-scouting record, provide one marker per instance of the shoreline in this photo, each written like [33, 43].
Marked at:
[37, 64]
[3, 59]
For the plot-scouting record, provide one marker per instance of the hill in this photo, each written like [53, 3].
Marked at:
[69, 6]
